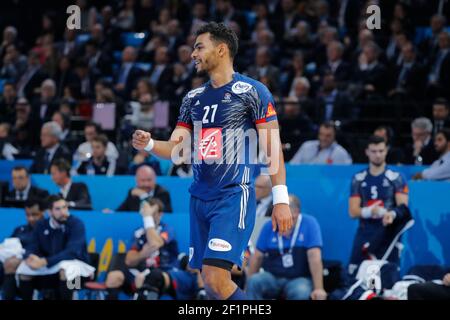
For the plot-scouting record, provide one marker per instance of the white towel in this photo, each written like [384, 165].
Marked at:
[72, 268]
[11, 247]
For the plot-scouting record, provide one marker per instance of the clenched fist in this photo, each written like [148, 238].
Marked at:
[141, 139]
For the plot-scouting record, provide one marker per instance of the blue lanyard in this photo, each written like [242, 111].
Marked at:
[293, 239]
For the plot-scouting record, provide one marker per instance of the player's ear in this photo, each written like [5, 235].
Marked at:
[222, 50]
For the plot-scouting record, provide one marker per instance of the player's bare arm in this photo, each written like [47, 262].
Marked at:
[142, 140]
[281, 214]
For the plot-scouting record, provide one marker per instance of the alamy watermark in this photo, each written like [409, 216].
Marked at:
[374, 20]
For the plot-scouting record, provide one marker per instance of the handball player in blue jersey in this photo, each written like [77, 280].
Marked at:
[223, 205]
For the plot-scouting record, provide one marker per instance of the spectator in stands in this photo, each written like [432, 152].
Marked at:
[441, 115]
[22, 189]
[61, 237]
[143, 113]
[14, 64]
[408, 75]
[263, 193]
[292, 265]
[439, 76]
[184, 57]
[75, 193]
[64, 76]
[67, 137]
[440, 169]
[333, 104]
[128, 75]
[8, 103]
[84, 150]
[335, 63]
[422, 151]
[263, 66]
[9, 37]
[394, 155]
[7, 150]
[47, 104]
[142, 157]
[98, 61]
[370, 73]
[32, 77]
[430, 45]
[85, 80]
[379, 199]
[325, 150]
[295, 126]
[34, 212]
[24, 129]
[154, 247]
[146, 188]
[98, 163]
[69, 46]
[161, 72]
[51, 149]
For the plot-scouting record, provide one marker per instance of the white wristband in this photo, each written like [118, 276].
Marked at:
[366, 212]
[280, 194]
[381, 212]
[150, 145]
[149, 222]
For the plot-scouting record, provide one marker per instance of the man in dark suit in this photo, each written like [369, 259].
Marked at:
[439, 76]
[335, 65]
[332, 103]
[441, 112]
[370, 73]
[47, 104]
[75, 193]
[128, 73]
[408, 76]
[98, 60]
[146, 188]
[263, 67]
[32, 77]
[422, 151]
[8, 103]
[22, 188]
[51, 149]
[161, 73]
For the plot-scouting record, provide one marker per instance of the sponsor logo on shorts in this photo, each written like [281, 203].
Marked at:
[219, 245]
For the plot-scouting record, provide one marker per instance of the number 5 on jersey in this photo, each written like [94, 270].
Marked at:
[206, 114]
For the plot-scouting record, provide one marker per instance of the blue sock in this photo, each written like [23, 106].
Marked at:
[238, 294]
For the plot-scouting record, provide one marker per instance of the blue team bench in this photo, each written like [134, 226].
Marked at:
[105, 233]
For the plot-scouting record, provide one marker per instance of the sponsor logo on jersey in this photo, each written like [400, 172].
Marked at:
[270, 110]
[226, 98]
[210, 144]
[385, 183]
[241, 87]
[219, 245]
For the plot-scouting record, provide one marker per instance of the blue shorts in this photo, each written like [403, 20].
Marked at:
[221, 228]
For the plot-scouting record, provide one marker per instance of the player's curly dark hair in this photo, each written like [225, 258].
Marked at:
[221, 33]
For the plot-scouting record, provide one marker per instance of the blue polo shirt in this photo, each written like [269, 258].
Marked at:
[309, 236]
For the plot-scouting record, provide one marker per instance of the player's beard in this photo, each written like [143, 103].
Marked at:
[377, 164]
